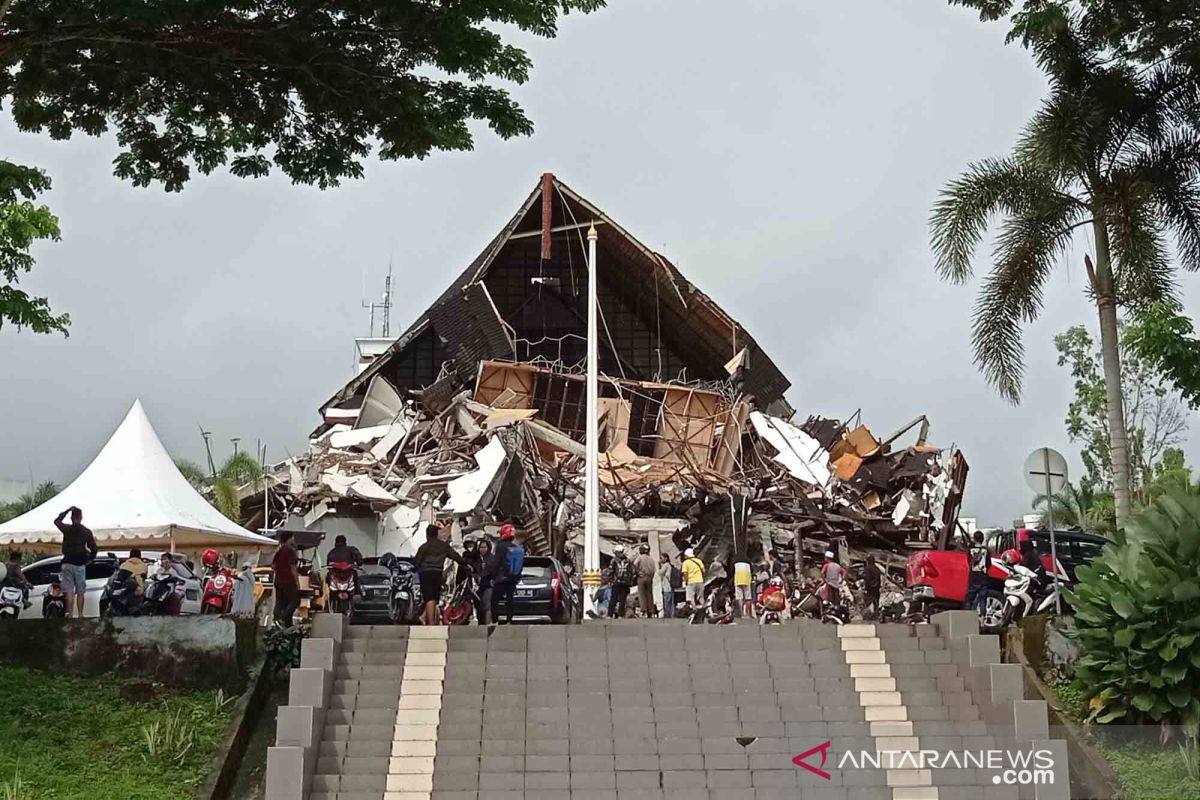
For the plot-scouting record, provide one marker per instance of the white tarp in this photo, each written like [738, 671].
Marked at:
[132, 495]
[803, 455]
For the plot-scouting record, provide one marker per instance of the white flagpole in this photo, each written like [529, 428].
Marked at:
[591, 522]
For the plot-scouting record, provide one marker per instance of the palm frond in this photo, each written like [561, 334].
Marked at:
[1027, 248]
[1172, 175]
[966, 204]
[241, 468]
[1141, 266]
[192, 472]
[225, 498]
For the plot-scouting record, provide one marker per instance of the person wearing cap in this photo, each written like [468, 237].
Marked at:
[510, 560]
[832, 571]
[644, 568]
[693, 578]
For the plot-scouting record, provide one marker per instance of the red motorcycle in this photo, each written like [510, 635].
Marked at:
[218, 585]
[342, 582]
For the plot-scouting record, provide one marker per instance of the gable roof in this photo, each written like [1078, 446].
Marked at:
[472, 334]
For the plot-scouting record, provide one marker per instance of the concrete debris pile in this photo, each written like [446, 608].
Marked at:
[695, 464]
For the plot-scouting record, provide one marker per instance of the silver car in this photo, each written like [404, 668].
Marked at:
[44, 572]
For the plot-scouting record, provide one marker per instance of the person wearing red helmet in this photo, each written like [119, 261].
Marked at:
[510, 560]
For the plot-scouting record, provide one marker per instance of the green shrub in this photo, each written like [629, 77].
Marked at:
[16, 789]
[1137, 611]
[283, 647]
[168, 738]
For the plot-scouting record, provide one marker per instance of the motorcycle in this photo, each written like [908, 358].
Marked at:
[462, 603]
[218, 592]
[342, 585]
[404, 595]
[54, 603]
[12, 601]
[772, 602]
[120, 597]
[811, 603]
[162, 595]
[1024, 594]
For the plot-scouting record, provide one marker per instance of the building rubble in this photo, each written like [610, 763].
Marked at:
[475, 416]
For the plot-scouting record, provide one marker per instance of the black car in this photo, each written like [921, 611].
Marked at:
[1075, 548]
[376, 581]
[543, 593]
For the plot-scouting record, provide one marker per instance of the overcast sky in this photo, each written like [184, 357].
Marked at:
[785, 156]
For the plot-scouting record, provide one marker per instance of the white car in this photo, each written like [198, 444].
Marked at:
[44, 572]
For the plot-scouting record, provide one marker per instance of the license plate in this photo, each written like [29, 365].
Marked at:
[524, 594]
[379, 593]
[922, 591]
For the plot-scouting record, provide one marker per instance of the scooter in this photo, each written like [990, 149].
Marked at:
[54, 602]
[772, 601]
[342, 585]
[218, 592]
[404, 595]
[120, 597]
[12, 601]
[1024, 594]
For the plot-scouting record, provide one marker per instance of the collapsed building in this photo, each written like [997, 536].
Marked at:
[475, 415]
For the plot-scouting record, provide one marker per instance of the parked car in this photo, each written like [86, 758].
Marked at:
[1075, 548]
[44, 572]
[544, 592]
[376, 582]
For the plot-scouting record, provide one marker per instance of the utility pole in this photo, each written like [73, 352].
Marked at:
[212, 468]
[591, 517]
[235, 441]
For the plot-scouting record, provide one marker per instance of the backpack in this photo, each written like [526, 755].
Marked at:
[676, 577]
[623, 572]
[516, 560]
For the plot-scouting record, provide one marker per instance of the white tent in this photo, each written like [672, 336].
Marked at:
[132, 495]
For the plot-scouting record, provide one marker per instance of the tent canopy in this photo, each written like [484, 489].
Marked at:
[133, 495]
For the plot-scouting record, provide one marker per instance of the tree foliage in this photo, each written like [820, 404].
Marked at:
[239, 473]
[1155, 420]
[310, 89]
[1137, 612]
[1162, 335]
[1113, 147]
[1085, 507]
[22, 223]
[42, 493]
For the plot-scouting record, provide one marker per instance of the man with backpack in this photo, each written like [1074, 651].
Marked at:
[670, 579]
[623, 577]
[510, 560]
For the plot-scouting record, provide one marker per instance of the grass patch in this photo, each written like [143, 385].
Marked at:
[63, 738]
[1146, 771]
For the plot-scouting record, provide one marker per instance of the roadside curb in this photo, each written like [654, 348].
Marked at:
[246, 716]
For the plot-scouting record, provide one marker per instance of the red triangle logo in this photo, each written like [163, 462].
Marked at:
[823, 749]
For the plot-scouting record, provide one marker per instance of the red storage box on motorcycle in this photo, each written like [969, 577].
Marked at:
[773, 599]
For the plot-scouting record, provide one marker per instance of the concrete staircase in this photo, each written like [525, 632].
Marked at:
[651, 710]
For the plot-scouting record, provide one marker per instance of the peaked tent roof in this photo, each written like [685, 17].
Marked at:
[133, 495]
[694, 312]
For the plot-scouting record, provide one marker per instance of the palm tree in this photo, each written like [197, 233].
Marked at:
[1112, 147]
[1080, 507]
[44, 491]
[223, 489]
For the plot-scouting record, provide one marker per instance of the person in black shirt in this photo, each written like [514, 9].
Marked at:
[431, 564]
[78, 550]
[14, 576]
[343, 553]
[980, 560]
[488, 569]
[872, 580]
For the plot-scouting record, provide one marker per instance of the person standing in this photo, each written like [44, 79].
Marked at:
[693, 577]
[620, 571]
[487, 579]
[832, 571]
[510, 559]
[667, 581]
[286, 567]
[644, 567]
[977, 583]
[743, 579]
[872, 582]
[78, 550]
[430, 561]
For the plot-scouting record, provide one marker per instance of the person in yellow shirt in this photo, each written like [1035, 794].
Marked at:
[693, 578]
[136, 567]
[743, 577]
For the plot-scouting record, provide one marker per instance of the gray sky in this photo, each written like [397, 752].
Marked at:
[785, 156]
